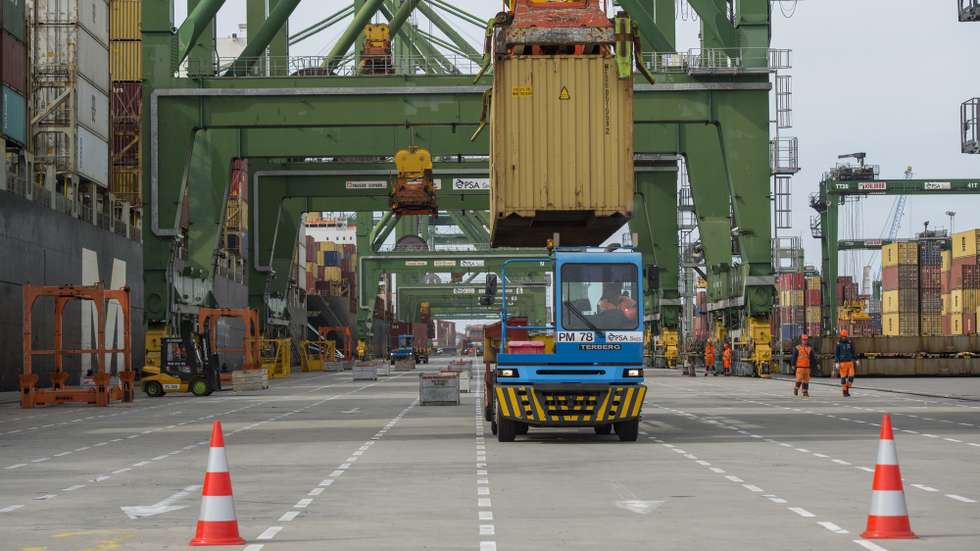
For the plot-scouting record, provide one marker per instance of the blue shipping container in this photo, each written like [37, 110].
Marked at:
[331, 258]
[13, 116]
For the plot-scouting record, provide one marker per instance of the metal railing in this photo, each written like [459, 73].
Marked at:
[969, 10]
[969, 121]
[719, 60]
[103, 221]
[16, 184]
[63, 204]
[316, 66]
[784, 156]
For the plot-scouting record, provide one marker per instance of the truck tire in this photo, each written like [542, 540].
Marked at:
[603, 429]
[628, 431]
[506, 429]
[200, 387]
[153, 389]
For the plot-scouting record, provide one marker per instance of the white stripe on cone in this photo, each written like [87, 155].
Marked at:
[888, 504]
[886, 453]
[217, 462]
[217, 508]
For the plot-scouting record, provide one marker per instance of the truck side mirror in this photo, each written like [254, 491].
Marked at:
[653, 278]
[490, 292]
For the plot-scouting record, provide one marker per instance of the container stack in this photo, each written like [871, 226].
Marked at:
[701, 329]
[13, 73]
[900, 289]
[127, 101]
[70, 91]
[946, 289]
[332, 268]
[814, 305]
[236, 213]
[792, 306]
[965, 283]
[930, 287]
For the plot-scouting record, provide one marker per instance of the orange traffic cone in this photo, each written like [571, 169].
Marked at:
[889, 518]
[217, 524]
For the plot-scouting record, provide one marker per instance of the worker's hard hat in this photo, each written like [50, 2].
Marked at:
[843, 332]
[805, 338]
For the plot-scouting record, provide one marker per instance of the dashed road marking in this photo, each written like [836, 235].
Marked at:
[961, 498]
[802, 512]
[269, 533]
[832, 527]
[289, 516]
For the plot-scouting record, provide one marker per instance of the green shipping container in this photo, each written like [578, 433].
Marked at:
[13, 116]
[14, 18]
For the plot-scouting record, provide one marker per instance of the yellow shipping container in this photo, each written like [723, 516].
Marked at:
[900, 253]
[124, 19]
[964, 301]
[791, 299]
[327, 246]
[947, 261]
[124, 60]
[561, 150]
[331, 274]
[889, 301]
[930, 325]
[125, 184]
[947, 304]
[813, 283]
[813, 314]
[966, 243]
[956, 326]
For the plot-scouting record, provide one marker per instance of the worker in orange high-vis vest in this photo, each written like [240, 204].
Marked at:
[726, 359]
[845, 357]
[803, 358]
[709, 358]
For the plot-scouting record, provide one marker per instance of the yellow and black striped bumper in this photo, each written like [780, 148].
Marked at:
[557, 407]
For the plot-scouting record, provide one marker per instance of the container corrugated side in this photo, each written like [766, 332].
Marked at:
[14, 18]
[93, 108]
[124, 20]
[60, 48]
[124, 60]
[561, 151]
[13, 116]
[966, 244]
[126, 184]
[13, 62]
[93, 157]
[92, 15]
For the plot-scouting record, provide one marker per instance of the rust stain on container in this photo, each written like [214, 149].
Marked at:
[13, 63]
[561, 153]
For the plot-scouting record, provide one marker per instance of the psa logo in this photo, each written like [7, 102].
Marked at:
[627, 336]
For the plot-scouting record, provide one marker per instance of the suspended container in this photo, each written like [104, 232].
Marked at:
[561, 150]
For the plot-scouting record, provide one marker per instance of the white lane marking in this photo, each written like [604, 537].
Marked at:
[703, 463]
[867, 469]
[141, 463]
[40, 460]
[924, 488]
[73, 488]
[62, 454]
[953, 440]
[335, 474]
[870, 546]
[326, 482]
[316, 491]
[17, 466]
[802, 450]
[486, 515]
[488, 546]
[752, 488]
[344, 466]
[734, 478]
[159, 457]
[717, 470]
[820, 455]
[269, 533]
[927, 435]
[10, 509]
[840, 462]
[832, 527]
[303, 503]
[961, 498]
[164, 506]
[775, 499]
[288, 516]
[45, 497]
[483, 491]
[486, 530]
[122, 470]
[802, 512]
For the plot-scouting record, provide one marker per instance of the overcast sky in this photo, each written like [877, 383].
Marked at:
[885, 77]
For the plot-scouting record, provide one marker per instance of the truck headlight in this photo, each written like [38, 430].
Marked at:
[634, 372]
[507, 373]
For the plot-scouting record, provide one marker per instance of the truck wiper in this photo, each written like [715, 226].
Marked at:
[578, 313]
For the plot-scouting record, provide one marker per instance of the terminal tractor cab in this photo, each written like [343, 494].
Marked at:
[186, 364]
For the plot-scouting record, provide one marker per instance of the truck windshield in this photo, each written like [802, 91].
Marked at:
[603, 294]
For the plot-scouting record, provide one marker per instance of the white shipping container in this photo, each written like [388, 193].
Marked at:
[93, 15]
[93, 157]
[92, 108]
[64, 49]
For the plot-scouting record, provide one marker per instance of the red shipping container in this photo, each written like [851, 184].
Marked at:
[127, 103]
[957, 271]
[813, 298]
[969, 324]
[947, 324]
[13, 62]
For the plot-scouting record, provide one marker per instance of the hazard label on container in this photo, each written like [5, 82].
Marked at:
[522, 91]
[564, 95]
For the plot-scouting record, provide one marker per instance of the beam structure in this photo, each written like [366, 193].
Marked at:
[261, 38]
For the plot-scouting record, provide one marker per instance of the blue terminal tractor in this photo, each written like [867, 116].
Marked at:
[583, 370]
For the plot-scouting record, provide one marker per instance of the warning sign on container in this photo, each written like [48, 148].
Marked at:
[564, 95]
[351, 184]
[522, 91]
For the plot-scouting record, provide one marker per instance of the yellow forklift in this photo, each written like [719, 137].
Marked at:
[179, 364]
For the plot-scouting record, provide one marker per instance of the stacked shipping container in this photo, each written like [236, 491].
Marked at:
[964, 277]
[814, 304]
[13, 73]
[127, 100]
[331, 268]
[900, 289]
[930, 286]
[71, 86]
[236, 213]
[792, 306]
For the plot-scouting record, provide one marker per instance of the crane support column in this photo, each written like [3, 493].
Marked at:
[198, 21]
[260, 39]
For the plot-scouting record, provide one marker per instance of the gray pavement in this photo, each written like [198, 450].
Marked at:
[321, 462]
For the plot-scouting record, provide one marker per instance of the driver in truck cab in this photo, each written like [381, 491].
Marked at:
[612, 316]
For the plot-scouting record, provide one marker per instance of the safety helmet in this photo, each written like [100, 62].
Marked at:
[843, 332]
[805, 338]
